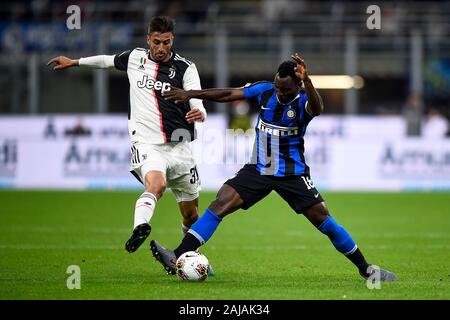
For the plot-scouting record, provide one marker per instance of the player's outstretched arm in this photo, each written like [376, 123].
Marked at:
[100, 61]
[215, 94]
[315, 103]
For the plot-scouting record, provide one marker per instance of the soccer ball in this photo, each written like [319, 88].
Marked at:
[192, 266]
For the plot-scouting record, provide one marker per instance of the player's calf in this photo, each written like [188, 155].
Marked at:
[343, 242]
[340, 238]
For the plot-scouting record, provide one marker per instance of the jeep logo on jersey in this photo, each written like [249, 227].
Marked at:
[157, 85]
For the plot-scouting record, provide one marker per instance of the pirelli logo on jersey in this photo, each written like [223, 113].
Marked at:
[276, 130]
[149, 83]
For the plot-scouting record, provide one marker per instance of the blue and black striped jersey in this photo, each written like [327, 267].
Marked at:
[279, 145]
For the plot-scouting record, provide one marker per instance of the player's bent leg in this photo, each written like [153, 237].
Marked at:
[190, 215]
[227, 201]
[155, 184]
[319, 216]
[189, 211]
[325, 223]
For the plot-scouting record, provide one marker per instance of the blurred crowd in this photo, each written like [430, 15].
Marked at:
[255, 28]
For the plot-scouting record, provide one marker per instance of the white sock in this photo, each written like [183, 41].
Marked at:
[145, 206]
[184, 229]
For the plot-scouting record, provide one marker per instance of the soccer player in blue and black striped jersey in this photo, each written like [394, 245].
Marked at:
[278, 164]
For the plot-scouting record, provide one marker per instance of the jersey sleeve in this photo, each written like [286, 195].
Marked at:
[303, 104]
[121, 60]
[100, 61]
[255, 90]
[191, 81]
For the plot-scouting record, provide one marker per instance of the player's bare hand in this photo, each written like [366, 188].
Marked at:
[195, 115]
[301, 70]
[62, 62]
[176, 95]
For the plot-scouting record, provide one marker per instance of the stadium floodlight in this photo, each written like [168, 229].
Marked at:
[337, 82]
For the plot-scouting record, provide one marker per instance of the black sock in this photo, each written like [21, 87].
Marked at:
[359, 261]
[189, 243]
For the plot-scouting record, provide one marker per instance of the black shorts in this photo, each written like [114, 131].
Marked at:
[298, 191]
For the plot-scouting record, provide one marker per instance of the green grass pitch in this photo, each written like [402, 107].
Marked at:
[267, 252]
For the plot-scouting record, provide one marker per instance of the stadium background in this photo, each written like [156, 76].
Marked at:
[385, 129]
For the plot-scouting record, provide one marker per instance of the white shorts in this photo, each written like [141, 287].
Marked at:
[174, 160]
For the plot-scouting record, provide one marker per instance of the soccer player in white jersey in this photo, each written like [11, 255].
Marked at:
[159, 129]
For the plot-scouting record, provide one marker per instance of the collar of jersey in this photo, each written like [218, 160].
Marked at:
[285, 104]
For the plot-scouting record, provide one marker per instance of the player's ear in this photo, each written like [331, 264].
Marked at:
[148, 40]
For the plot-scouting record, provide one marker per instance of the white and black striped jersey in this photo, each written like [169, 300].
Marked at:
[151, 118]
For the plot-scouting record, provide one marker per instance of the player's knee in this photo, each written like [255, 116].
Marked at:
[157, 190]
[156, 186]
[317, 214]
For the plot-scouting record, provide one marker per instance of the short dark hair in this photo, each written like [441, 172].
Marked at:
[287, 68]
[161, 24]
